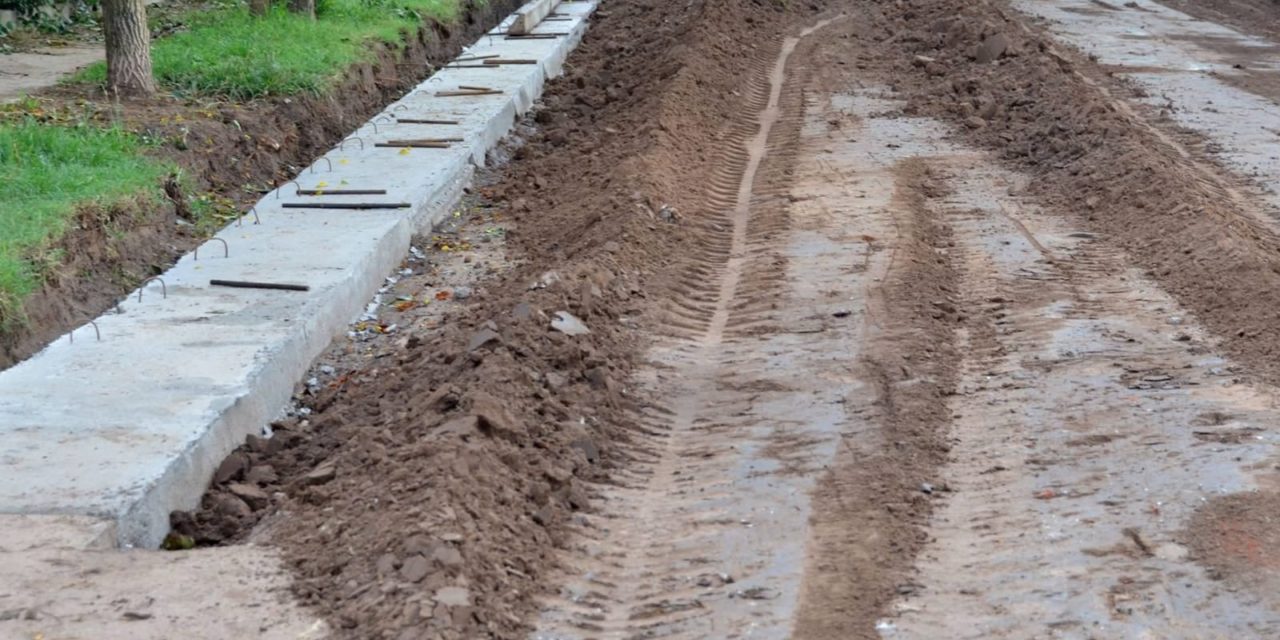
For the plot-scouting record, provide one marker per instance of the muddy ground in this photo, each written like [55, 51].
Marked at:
[228, 154]
[899, 319]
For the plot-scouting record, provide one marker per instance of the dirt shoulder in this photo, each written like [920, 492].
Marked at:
[1257, 17]
[1049, 111]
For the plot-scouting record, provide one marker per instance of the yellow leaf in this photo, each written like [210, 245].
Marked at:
[404, 151]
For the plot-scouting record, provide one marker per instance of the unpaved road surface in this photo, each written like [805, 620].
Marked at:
[915, 319]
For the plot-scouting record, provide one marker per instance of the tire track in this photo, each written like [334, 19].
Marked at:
[692, 542]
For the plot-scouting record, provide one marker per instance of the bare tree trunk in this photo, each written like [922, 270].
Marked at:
[305, 7]
[128, 47]
[259, 7]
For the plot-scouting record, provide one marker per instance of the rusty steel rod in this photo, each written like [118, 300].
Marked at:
[164, 290]
[343, 192]
[457, 94]
[425, 121]
[414, 145]
[226, 251]
[245, 284]
[346, 205]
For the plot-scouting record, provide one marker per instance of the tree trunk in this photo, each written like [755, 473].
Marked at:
[259, 7]
[305, 7]
[128, 47]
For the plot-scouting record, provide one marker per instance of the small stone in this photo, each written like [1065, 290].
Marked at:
[415, 568]
[568, 324]
[442, 399]
[453, 597]
[597, 377]
[262, 474]
[462, 293]
[611, 247]
[386, 564]
[926, 488]
[543, 516]
[446, 556]
[974, 122]
[327, 370]
[232, 468]
[229, 505]
[461, 426]
[494, 417]
[522, 311]
[418, 544]
[992, 48]
[482, 338]
[555, 379]
[256, 498]
[323, 473]
[547, 279]
[588, 448]
[257, 444]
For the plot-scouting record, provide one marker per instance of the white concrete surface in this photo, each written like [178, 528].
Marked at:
[130, 428]
[530, 15]
[1183, 64]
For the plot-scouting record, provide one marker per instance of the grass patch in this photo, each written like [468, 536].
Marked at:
[48, 172]
[229, 53]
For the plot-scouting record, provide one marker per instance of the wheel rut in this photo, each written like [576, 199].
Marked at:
[703, 537]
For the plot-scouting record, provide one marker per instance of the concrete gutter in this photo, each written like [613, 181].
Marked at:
[130, 428]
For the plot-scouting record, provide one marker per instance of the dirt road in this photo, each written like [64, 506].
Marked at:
[904, 320]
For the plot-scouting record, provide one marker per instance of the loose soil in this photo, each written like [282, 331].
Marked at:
[228, 153]
[1258, 17]
[905, 320]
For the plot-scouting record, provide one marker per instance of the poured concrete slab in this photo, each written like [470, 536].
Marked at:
[131, 427]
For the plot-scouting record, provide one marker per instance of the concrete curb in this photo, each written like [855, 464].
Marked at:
[132, 427]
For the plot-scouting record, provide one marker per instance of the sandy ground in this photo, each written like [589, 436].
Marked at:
[56, 587]
[907, 322]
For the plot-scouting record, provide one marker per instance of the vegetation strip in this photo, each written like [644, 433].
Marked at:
[51, 173]
[234, 54]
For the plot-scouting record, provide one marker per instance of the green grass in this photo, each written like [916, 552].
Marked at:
[48, 172]
[229, 53]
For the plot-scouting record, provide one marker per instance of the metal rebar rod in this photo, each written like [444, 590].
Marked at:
[346, 205]
[455, 94]
[415, 145]
[342, 192]
[245, 284]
